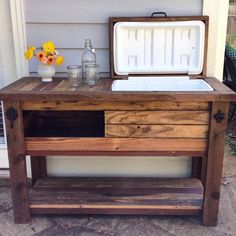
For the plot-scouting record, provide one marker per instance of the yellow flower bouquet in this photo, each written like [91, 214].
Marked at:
[47, 56]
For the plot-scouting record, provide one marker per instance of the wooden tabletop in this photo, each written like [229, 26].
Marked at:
[32, 89]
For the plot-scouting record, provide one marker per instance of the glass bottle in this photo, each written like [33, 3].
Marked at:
[88, 56]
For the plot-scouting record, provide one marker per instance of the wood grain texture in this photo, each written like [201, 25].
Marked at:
[155, 117]
[31, 89]
[196, 167]
[81, 11]
[70, 145]
[17, 164]
[116, 106]
[214, 164]
[38, 168]
[158, 131]
[117, 195]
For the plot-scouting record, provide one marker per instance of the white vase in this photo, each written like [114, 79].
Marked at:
[46, 72]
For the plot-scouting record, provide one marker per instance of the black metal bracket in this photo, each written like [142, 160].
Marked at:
[219, 116]
[12, 115]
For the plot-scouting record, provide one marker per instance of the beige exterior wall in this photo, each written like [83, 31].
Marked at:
[218, 13]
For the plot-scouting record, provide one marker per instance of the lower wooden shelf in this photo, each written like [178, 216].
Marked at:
[43, 146]
[147, 196]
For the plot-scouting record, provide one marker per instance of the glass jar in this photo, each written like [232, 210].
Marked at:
[74, 73]
[88, 56]
[91, 74]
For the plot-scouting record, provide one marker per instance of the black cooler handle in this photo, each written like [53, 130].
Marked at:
[159, 13]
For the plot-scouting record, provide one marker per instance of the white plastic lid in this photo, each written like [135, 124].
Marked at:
[159, 47]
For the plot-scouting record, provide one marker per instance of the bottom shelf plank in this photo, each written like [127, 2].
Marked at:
[146, 196]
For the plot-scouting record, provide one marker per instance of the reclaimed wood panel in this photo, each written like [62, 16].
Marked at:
[214, 164]
[17, 163]
[38, 168]
[116, 106]
[89, 11]
[60, 91]
[157, 117]
[117, 196]
[74, 145]
[158, 131]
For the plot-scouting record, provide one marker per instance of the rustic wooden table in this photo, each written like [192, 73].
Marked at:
[54, 119]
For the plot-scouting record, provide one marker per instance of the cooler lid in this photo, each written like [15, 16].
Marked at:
[169, 47]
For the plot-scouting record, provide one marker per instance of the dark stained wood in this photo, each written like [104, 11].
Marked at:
[117, 196]
[157, 117]
[64, 124]
[73, 145]
[196, 167]
[203, 169]
[157, 131]
[17, 164]
[38, 168]
[60, 90]
[214, 165]
[186, 109]
[199, 168]
[119, 153]
[117, 106]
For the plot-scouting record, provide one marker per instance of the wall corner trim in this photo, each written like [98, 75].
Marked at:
[218, 16]
[19, 36]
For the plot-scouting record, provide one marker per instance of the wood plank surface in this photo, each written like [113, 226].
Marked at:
[158, 131]
[17, 163]
[117, 195]
[120, 106]
[70, 145]
[59, 90]
[156, 117]
[214, 164]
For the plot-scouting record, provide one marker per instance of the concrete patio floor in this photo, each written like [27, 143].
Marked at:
[126, 225]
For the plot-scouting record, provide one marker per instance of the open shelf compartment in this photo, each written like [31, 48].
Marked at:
[63, 123]
[149, 196]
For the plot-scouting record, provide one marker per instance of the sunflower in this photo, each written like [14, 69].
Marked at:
[29, 53]
[49, 47]
[59, 60]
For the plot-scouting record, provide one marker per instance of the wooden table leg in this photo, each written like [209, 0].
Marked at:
[17, 162]
[214, 162]
[199, 168]
[38, 167]
[196, 167]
